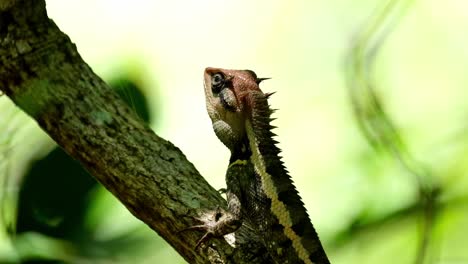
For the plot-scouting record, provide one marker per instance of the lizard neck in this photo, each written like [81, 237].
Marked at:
[276, 183]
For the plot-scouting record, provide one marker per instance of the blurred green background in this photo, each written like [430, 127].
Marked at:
[372, 103]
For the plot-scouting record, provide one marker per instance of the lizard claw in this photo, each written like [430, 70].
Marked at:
[216, 223]
[208, 234]
[203, 239]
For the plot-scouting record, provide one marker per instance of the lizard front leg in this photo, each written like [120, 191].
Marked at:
[220, 222]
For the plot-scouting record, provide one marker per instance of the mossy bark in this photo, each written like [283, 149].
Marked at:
[43, 73]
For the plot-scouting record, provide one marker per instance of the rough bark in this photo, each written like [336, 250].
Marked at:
[42, 72]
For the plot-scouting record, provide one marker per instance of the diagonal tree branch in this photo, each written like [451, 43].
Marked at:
[42, 72]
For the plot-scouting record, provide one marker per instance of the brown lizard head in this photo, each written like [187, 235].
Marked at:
[227, 102]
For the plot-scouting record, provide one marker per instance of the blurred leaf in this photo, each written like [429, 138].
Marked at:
[132, 94]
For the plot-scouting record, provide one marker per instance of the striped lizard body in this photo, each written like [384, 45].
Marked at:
[260, 191]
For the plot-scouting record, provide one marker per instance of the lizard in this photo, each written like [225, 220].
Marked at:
[260, 192]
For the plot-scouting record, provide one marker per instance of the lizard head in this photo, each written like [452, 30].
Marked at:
[225, 93]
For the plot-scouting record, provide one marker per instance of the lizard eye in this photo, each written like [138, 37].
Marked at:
[217, 82]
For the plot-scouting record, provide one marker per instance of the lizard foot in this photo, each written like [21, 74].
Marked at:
[216, 223]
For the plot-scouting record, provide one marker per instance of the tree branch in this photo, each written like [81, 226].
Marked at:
[42, 72]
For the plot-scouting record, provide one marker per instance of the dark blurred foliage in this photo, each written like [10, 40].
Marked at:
[56, 193]
[133, 96]
[54, 197]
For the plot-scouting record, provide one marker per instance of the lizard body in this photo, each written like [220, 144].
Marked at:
[260, 192]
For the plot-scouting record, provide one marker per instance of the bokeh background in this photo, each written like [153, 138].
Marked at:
[372, 103]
